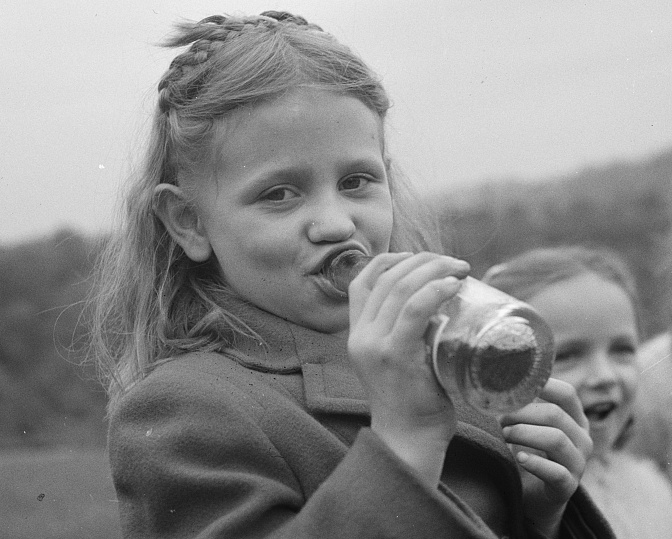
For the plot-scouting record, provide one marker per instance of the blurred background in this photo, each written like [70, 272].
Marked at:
[525, 123]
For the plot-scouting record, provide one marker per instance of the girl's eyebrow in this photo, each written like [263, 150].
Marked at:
[574, 345]
[625, 338]
[274, 173]
[282, 172]
[365, 160]
[365, 163]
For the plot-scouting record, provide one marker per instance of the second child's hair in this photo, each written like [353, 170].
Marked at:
[151, 301]
[527, 274]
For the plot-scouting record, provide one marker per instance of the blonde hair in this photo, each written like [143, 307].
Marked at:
[151, 301]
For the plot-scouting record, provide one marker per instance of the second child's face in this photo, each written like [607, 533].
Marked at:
[595, 329]
[299, 178]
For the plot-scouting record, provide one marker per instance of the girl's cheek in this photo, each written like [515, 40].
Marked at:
[573, 375]
[380, 216]
[630, 382]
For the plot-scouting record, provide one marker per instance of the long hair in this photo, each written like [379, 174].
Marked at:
[151, 301]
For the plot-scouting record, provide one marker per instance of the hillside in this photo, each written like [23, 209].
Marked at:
[622, 205]
[46, 397]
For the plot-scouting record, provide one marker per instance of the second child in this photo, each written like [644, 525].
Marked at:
[589, 299]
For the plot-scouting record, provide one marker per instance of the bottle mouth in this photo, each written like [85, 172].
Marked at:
[512, 361]
[341, 268]
[505, 356]
[346, 258]
[501, 367]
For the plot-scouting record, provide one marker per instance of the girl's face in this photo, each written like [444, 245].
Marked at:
[595, 328]
[299, 178]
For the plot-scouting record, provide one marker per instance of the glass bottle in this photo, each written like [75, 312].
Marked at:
[486, 347]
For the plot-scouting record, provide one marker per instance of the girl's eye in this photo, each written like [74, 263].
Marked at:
[353, 183]
[568, 353]
[623, 347]
[563, 356]
[278, 194]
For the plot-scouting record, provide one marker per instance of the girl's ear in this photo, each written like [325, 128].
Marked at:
[182, 222]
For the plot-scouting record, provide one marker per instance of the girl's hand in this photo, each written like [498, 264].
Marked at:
[551, 443]
[391, 303]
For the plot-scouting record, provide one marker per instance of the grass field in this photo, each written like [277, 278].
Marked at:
[57, 494]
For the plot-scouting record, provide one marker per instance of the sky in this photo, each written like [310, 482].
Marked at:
[481, 91]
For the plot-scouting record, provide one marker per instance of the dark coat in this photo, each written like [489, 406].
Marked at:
[274, 442]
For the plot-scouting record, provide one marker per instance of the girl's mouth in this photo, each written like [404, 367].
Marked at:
[599, 411]
[341, 268]
[327, 287]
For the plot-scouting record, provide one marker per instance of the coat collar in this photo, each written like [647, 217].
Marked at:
[330, 384]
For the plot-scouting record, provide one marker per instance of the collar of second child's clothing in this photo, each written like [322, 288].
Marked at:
[330, 383]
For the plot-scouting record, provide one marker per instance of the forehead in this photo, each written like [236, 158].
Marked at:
[586, 303]
[300, 119]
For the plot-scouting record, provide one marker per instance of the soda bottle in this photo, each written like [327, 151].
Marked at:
[486, 347]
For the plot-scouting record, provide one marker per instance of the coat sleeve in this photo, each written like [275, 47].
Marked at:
[583, 520]
[191, 462]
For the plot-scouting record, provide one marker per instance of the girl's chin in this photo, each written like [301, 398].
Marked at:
[600, 449]
[604, 437]
[333, 322]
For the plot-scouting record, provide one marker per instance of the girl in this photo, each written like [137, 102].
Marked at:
[248, 398]
[588, 298]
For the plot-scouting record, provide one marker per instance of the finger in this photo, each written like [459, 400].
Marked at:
[414, 316]
[386, 269]
[554, 443]
[555, 392]
[361, 286]
[560, 483]
[393, 288]
[546, 414]
[558, 405]
[565, 396]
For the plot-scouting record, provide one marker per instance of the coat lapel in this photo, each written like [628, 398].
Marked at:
[330, 383]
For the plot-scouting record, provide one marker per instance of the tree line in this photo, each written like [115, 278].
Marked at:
[625, 206]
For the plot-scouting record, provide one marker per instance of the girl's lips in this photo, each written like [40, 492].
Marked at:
[326, 261]
[327, 288]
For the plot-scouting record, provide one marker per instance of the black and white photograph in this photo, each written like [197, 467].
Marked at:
[336, 270]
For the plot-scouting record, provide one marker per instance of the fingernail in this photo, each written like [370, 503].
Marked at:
[522, 457]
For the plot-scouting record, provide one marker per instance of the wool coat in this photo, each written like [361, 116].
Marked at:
[272, 440]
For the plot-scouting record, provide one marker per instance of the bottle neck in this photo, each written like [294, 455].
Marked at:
[344, 267]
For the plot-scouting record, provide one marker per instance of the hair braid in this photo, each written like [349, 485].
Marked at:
[284, 16]
[188, 71]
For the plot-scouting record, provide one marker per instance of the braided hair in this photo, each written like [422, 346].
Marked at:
[151, 301]
[206, 61]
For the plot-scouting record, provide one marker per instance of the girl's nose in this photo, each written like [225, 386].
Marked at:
[331, 223]
[602, 370]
